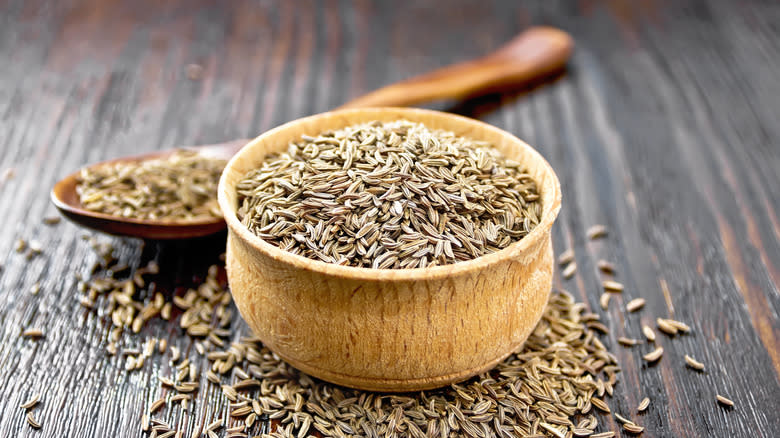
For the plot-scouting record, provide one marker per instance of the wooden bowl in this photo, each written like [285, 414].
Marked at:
[386, 329]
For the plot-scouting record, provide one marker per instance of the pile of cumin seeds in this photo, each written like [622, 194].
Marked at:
[389, 195]
[182, 186]
[550, 388]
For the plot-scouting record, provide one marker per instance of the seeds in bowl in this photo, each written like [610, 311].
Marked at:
[389, 195]
[182, 186]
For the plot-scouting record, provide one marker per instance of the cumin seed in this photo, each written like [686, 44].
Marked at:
[654, 355]
[693, 363]
[724, 401]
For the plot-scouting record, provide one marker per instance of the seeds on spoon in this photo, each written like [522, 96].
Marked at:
[180, 187]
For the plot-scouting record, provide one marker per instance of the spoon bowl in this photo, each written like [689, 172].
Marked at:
[65, 198]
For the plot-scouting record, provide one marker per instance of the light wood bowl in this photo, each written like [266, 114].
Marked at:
[385, 329]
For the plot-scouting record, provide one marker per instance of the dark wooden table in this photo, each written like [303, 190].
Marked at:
[665, 128]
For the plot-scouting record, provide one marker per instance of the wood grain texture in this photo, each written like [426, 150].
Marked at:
[664, 128]
[390, 329]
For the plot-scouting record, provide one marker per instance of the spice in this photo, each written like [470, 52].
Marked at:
[182, 186]
[566, 257]
[635, 304]
[724, 401]
[693, 363]
[570, 270]
[605, 267]
[649, 333]
[389, 196]
[31, 402]
[596, 231]
[612, 286]
[643, 405]
[654, 355]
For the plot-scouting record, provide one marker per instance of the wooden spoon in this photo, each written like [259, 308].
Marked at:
[534, 54]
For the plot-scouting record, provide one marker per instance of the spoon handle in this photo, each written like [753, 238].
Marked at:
[535, 53]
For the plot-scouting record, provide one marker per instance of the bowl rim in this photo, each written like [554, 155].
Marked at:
[549, 213]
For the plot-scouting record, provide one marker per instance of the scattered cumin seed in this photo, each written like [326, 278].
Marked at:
[627, 342]
[175, 353]
[86, 302]
[665, 327]
[600, 404]
[570, 269]
[194, 72]
[31, 402]
[241, 412]
[9, 173]
[20, 245]
[552, 429]
[633, 428]
[214, 425]
[250, 420]
[654, 355]
[597, 231]
[622, 419]
[606, 267]
[165, 312]
[604, 300]
[33, 333]
[609, 434]
[693, 363]
[159, 403]
[144, 422]
[581, 432]
[186, 387]
[612, 286]
[681, 326]
[566, 257]
[635, 304]
[724, 401]
[643, 405]
[32, 422]
[649, 333]
[180, 397]
[51, 220]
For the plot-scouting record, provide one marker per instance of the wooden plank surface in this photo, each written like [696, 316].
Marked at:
[665, 128]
